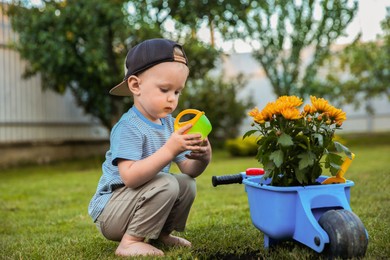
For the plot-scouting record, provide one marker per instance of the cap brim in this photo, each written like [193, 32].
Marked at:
[121, 90]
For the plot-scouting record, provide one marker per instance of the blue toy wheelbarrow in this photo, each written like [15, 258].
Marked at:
[318, 216]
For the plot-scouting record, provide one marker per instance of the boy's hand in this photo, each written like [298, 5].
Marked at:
[200, 155]
[180, 142]
[202, 152]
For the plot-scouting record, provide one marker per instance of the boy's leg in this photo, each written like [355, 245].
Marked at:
[178, 217]
[187, 191]
[139, 213]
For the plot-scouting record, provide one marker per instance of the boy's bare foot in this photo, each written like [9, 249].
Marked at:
[170, 240]
[133, 246]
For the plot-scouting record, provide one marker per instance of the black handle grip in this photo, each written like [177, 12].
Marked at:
[226, 179]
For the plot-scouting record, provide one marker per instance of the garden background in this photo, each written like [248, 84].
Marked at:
[54, 112]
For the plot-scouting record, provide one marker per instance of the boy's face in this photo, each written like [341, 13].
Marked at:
[159, 89]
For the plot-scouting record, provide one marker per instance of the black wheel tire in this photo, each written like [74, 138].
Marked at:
[347, 234]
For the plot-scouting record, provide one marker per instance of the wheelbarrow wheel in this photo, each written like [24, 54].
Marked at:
[347, 235]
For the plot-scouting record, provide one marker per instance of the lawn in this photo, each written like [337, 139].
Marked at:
[43, 211]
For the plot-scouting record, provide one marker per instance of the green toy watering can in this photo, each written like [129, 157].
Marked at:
[200, 123]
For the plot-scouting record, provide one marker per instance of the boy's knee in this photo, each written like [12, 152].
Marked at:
[191, 186]
[187, 185]
[169, 186]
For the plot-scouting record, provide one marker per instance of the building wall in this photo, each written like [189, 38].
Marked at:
[259, 87]
[36, 125]
[28, 113]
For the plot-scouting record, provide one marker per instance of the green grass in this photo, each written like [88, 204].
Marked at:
[43, 211]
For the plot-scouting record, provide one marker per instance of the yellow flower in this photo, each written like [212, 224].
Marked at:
[289, 101]
[320, 104]
[257, 115]
[337, 115]
[260, 119]
[291, 113]
[269, 111]
[287, 106]
[254, 112]
[309, 109]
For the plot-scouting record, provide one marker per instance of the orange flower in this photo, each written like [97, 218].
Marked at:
[287, 106]
[291, 113]
[337, 115]
[257, 115]
[269, 111]
[289, 101]
[320, 104]
[254, 112]
[260, 119]
[309, 109]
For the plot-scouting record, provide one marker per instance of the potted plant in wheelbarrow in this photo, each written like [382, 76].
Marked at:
[291, 198]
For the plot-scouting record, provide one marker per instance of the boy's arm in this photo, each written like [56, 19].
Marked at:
[197, 161]
[137, 173]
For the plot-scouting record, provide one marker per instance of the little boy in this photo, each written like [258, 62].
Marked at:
[137, 198]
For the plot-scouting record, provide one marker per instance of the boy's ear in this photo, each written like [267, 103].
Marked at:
[133, 85]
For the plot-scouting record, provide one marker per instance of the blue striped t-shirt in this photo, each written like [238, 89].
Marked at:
[134, 138]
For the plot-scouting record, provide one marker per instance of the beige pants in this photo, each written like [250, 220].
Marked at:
[162, 204]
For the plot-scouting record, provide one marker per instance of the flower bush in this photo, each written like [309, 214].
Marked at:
[294, 145]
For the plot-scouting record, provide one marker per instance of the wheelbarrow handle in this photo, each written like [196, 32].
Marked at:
[226, 179]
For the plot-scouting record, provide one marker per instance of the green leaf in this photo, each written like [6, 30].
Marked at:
[285, 140]
[300, 175]
[249, 133]
[277, 157]
[333, 162]
[341, 148]
[316, 171]
[319, 138]
[307, 159]
[303, 141]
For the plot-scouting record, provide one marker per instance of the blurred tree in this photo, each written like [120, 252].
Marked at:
[75, 45]
[359, 72]
[281, 30]
[224, 111]
[223, 16]
[81, 45]
[217, 95]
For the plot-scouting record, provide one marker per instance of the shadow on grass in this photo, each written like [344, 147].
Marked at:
[238, 241]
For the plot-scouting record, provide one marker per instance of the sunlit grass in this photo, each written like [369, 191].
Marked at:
[43, 211]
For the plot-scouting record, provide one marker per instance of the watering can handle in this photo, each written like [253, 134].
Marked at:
[344, 167]
[179, 124]
[339, 178]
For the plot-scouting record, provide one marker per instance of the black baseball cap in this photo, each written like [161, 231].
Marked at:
[144, 56]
